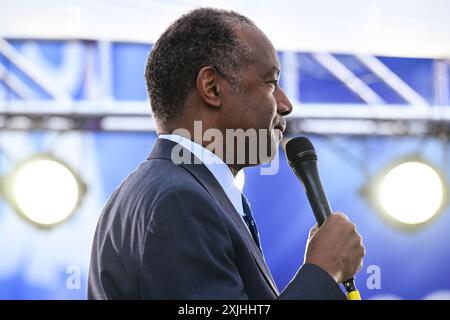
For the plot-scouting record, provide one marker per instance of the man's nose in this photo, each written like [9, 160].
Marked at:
[284, 106]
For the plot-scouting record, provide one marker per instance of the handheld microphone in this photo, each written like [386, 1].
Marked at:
[302, 158]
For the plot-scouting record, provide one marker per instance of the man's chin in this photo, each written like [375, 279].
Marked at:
[277, 136]
[275, 139]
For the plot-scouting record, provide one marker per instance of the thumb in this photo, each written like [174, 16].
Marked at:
[313, 231]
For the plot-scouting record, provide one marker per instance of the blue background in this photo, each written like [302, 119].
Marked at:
[34, 263]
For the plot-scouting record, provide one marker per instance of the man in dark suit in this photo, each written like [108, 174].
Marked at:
[177, 227]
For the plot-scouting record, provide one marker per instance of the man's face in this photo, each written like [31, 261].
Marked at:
[260, 103]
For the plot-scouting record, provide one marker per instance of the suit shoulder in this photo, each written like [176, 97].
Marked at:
[164, 175]
[153, 180]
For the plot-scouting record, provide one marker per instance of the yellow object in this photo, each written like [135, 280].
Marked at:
[353, 295]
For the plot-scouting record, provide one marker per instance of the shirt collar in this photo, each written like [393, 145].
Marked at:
[218, 168]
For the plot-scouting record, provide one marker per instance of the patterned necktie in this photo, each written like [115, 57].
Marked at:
[248, 218]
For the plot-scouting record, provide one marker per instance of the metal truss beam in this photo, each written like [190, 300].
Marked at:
[340, 71]
[309, 118]
[394, 81]
[30, 69]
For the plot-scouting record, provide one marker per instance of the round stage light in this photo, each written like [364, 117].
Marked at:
[411, 192]
[44, 190]
[239, 180]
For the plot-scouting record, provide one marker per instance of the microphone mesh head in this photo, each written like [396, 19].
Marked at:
[298, 145]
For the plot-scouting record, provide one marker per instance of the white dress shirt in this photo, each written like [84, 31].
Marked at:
[218, 168]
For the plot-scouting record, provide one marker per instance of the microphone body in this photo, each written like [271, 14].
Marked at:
[308, 174]
[302, 158]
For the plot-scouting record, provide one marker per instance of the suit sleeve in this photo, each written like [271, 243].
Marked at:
[312, 283]
[187, 251]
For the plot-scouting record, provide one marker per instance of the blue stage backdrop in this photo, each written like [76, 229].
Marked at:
[47, 264]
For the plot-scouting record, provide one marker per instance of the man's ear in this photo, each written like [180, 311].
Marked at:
[208, 86]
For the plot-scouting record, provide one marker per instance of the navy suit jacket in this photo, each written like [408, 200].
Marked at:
[170, 232]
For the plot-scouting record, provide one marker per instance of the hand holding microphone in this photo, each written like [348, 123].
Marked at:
[335, 246]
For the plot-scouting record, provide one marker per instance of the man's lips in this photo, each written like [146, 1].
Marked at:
[280, 124]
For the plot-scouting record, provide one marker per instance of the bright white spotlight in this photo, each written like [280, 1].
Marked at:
[411, 192]
[45, 191]
[239, 180]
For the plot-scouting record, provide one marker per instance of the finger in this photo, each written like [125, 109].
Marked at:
[341, 214]
[360, 266]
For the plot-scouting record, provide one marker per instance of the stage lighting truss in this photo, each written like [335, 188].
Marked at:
[43, 190]
[410, 192]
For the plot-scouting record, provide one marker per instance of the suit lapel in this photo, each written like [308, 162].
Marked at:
[163, 149]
